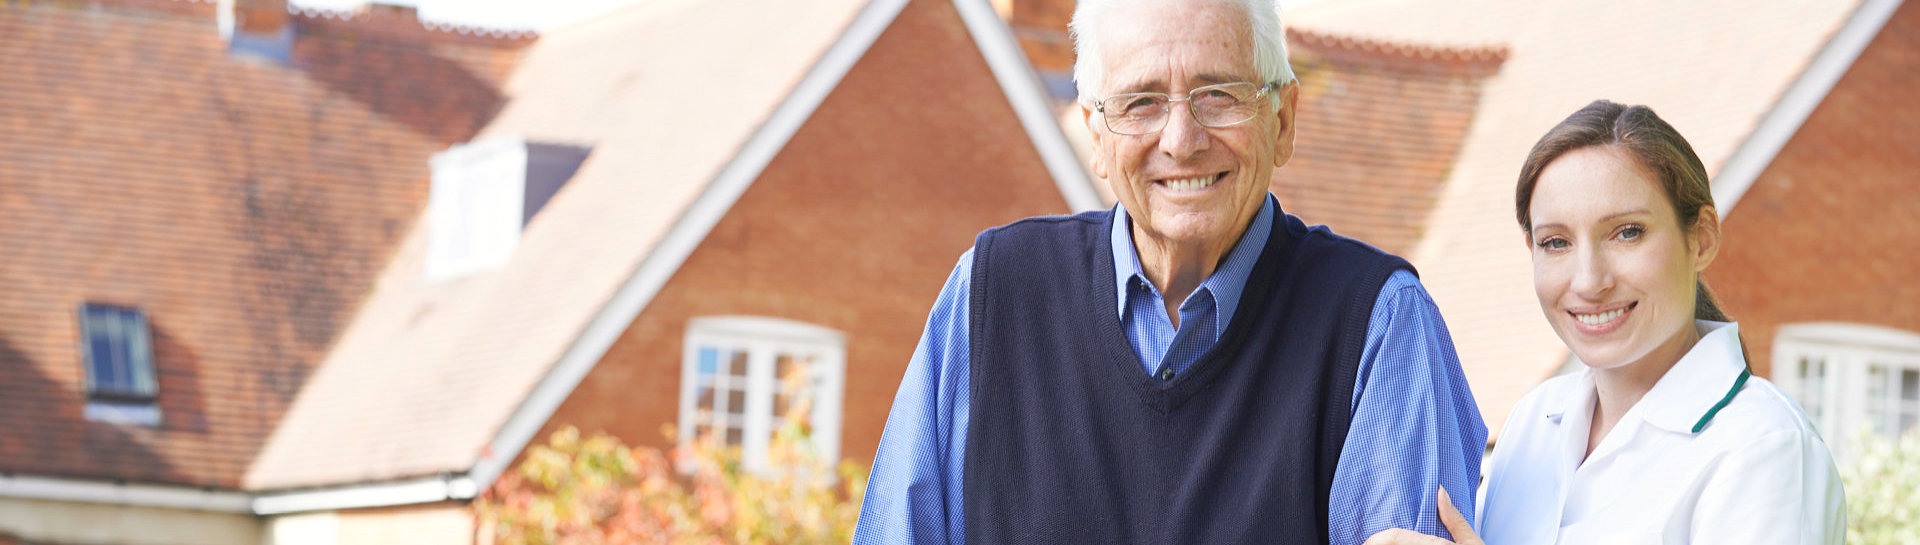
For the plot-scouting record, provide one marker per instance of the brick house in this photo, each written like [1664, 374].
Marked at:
[1821, 232]
[364, 293]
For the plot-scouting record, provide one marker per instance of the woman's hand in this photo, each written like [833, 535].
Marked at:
[1456, 525]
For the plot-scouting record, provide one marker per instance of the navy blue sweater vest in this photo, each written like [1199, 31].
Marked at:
[1071, 441]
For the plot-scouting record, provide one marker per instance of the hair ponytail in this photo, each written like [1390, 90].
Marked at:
[1705, 306]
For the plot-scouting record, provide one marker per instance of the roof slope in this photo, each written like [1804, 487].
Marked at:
[666, 93]
[1711, 81]
[1379, 126]
[245, 206]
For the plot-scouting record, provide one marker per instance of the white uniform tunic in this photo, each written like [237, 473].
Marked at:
[1698, 460]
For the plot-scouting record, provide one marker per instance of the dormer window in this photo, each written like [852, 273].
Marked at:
[117, 352]
[483, 193]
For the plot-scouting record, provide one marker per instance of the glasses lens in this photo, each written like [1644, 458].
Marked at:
[1226, 104]
[1135, 113]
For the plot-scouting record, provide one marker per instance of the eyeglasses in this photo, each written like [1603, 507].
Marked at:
[1219, 105]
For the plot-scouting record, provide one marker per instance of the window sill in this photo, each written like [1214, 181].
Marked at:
[113, 412]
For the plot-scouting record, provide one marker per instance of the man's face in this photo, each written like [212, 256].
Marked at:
[1187, 185]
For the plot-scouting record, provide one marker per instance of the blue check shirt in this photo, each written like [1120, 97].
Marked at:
[1415, 426]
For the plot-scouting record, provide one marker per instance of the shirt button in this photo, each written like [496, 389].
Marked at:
[1166, 373]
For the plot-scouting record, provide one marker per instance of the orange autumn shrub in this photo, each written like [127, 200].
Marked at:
[574, 491]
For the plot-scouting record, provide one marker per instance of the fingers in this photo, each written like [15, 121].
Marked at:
[1399, 536]
[1456, 524]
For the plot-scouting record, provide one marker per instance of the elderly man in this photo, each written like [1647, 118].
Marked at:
[1193, 366]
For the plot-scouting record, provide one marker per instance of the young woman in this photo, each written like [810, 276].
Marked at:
[1665, 436]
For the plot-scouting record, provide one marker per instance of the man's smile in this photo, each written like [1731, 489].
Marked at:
[1188, 184]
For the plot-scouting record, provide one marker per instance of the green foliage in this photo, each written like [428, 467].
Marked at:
[1883, 490]
[593, 491]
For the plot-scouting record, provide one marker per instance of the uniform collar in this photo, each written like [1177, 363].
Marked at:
[1226, 283]
[1698, 384]
[1686, 398]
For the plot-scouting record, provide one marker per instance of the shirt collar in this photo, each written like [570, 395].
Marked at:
[1701, 379]
[1689, 392]
[1227, 281]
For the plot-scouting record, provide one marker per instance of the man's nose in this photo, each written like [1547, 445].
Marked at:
[1183, 137]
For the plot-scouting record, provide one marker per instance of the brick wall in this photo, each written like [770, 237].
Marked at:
[854, 226]
[1829, 230]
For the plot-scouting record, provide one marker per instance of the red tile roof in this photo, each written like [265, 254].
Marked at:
[246, 206]
[1378, 128]
[426, 374]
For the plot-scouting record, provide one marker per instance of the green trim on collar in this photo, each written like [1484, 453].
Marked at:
[1737, 383]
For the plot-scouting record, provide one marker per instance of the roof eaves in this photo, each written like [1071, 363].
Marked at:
[1799, 100]
[122, 493]
[383, 494]
[1029, 99]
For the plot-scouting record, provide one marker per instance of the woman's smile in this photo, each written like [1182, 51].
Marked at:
[1601, 321]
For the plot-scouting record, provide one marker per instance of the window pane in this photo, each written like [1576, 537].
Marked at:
[737, 364]
[709, 361]
[795, 376]
[737, 401]
[119, 352]
[1877, 382]
[1880, 401]
[1910, 385]
[139, 354]
[734, 435]
[100, 366]
[1813, 385]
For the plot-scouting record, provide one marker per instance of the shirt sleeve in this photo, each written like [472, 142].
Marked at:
[913, 491]
[1415, 426]
[1781, 488]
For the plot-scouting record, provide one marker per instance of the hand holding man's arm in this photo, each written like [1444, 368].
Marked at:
[1415, 426]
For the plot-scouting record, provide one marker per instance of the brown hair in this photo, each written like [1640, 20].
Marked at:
[1642, 135]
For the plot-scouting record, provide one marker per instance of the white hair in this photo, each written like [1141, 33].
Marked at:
[1263, 16]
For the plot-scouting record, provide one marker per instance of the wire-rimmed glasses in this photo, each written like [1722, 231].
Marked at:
[1218, 105]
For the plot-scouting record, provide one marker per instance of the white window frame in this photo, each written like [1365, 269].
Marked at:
[475, 206]
[129, 339]
[1848, 350]
[764, 339]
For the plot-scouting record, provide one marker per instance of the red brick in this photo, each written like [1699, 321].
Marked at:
[1827, 233]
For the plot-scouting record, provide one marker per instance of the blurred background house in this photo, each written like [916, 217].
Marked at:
[271, 274]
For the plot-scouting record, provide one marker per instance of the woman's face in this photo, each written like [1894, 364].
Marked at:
[1613, 268]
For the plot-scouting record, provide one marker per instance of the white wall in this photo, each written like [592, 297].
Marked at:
[103, 524]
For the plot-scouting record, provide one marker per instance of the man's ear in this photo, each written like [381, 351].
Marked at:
[1289, 104]
[1705, 238]
[1096, 159]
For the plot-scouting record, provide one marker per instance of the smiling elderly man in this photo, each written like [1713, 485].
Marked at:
[1193, 366]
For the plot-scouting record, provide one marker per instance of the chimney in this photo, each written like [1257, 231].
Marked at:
[1041, 28]
[387, 10]
[257, 28]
